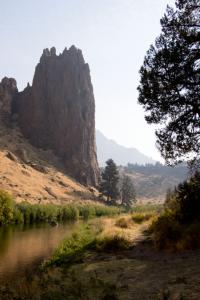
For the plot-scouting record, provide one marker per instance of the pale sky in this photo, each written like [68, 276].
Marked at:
[114, 36]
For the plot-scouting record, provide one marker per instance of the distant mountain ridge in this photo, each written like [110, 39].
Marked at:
[107, 148]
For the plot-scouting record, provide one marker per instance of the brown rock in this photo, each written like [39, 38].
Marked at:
[39, 168]
[12, 157]
[58, 112]
[23, 155]
[50, 192]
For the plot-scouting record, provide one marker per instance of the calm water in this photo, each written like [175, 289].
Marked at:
[21, 248]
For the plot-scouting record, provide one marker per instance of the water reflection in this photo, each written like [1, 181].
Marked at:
[21, 246]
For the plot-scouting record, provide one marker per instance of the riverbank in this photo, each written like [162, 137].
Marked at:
[131, 269]
[26, 213]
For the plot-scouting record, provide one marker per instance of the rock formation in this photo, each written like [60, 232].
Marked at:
[58, 112]
[8, 91]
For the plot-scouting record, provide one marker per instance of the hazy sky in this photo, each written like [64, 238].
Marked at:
[114, 36]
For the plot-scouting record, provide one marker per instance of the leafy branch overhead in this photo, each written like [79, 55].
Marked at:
[169, 88]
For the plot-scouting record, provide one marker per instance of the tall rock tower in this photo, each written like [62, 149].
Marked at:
[58, 112]
[8, 91]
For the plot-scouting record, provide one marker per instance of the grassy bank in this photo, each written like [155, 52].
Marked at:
[85, 266]
[108, 258]
[26, 213]
[71, 212]
[102, 235]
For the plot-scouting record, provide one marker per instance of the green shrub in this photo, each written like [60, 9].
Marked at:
[6, 208]
[171, 235]
[87, 211]
[166, 232]
[69, 213]
[101, 210]
[184, 201]
[18, 217]
[178, 228]
[72, 250]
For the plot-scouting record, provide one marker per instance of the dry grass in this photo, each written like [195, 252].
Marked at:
[142, 217]
[26, 172]
[123, 222]
[122, 228]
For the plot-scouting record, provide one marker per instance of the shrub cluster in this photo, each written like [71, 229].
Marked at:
[26, 213]
[184, 201]
[6, 208]
[178, 227]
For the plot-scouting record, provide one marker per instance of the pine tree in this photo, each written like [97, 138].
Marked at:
[169, 88]
[128, 194]
[109, 182]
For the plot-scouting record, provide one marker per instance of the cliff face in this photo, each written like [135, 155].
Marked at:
[58, 112]
[8, 91]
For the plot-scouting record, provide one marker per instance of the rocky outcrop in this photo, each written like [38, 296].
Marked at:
[58, 112]
[8, 91]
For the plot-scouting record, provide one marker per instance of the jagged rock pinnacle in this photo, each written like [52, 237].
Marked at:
[58, 112]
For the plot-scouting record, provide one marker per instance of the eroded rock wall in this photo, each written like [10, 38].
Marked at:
[8, 91]
[58, 112]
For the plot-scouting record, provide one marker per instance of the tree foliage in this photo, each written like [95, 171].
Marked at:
[6, 208]
[109, 182]
[169, 88]
[184, 201]
[128, 194]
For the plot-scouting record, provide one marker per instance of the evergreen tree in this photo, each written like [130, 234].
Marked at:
[127, 192]
[109, 182]
[184, 200]
[169, 88]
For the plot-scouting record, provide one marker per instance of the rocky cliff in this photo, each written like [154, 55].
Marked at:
[58, 112]
[8, 92]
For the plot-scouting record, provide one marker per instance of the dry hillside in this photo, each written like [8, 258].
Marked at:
[35, 175]
[153, 181]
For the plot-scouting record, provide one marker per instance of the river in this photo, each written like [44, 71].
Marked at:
[23, 247]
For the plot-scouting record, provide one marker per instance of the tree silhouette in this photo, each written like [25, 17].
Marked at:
[128, 194]
[109, 182]
[169, 88]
